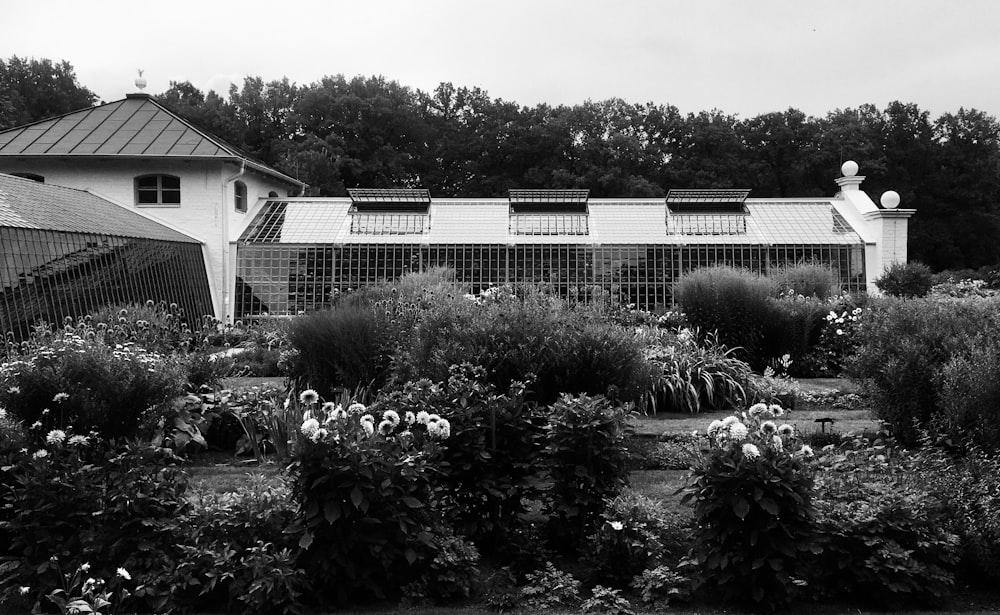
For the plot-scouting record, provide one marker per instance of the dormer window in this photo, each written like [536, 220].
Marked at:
[240, 196]
[163, 190]
[548, 212]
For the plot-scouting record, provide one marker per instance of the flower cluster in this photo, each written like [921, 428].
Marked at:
[754, 431]
[843, 319]
[331, 422]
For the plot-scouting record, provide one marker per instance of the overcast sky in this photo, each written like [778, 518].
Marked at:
[742, 56]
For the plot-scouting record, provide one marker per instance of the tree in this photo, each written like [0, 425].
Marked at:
[32, 90]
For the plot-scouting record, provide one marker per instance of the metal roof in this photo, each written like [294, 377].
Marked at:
[137, 126]
[25, 203]
[488, 221]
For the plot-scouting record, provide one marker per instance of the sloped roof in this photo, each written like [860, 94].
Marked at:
[28, 204]
[486, 221]
[136, 126]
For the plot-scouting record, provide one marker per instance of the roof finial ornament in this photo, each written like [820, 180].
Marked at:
[140, 82]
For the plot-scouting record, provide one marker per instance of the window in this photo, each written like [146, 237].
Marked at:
[32, 176]
[273, 195]
[158, 190]
[240, 196]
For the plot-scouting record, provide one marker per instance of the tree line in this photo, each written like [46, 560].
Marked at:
[341, 132]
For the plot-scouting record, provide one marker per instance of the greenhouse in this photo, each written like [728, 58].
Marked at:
[66, 252]
[298, 253]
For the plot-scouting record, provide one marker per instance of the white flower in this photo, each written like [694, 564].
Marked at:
[385, 427]
[786, 430]
[309, 427]
[444, 428]
[308, 397]
[3, 414]
[768, 427]
[368, 427]
[757, 409]
[738, 432]
[40, 454]
[84, 567]
[856, 311]
[36, 425]
[750, 451]
[776, 409]
[410, 418]
[356, 408]
[806, 450]
[124, 574]
[329, 408]
[714, 427]
[434, 428]
[318, 435]
[729, 420]
[14, 390]
[56, 436]
[616, 525]
[23, 590]
[392, 416]
[78, 440]
[368, 419]
[840, 331]
[60, 397]
[423, 417]
[776, 441]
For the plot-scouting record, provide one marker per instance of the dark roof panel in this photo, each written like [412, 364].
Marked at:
[28, 204]
[136, 126]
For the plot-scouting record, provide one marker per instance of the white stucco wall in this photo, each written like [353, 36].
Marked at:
[207, 210]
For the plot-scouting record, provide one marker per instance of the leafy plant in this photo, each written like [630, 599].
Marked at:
[606, 600]
[691, 375]
[664, 584]
[912, 279]
[550, 588]
[752, 508]
[587, 458]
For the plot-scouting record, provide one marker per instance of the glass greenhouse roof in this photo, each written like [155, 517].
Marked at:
[608, 221]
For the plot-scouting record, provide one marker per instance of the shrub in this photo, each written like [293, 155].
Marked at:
[79, 500]
[753, 511]
[364, 500]
[453, 573]
[689, 376]
[735, 303]
[605, 600]
[237, 550]
[792, 328]
[527, 333]
[808, 280]
[912, 279]
[157, 327]
[906, 344]
[664, 584]
[839, 337]
[882, 532]
[489, 464]
[635, 534]
[969, 394]
[348, 346]
[83, 383]
[587, 459]
[550, 588]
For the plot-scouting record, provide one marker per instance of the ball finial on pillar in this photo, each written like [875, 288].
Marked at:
[849, 168]
[890, 199]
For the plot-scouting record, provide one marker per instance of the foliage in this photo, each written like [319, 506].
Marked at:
[79, 500]
[691, 375]
[663, 584]
[75, 595]
[605, 600]
[793, 327]
[883, 534]
[178, 424]
[550, 588]
[969, 394]
[636, 534]
[349, 345]
[838, 339]
[905, 345]
[65, 380]
[807, 280]
[453, 573]
[667, 452]
[752, 507]
[238, 549]
[734, 303]
[158, 327]
[911, 279]
[524, 331]
[32, 90]
[364, 497]
[587, 459]
[489, 464]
